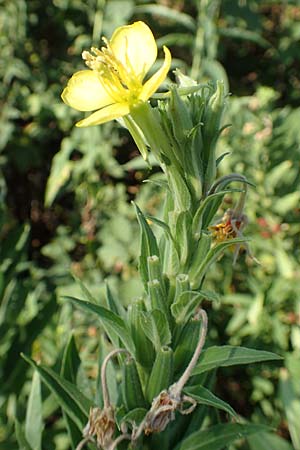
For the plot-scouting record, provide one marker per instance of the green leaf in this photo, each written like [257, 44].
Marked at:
[85, 292]
[218, 436]
[198, 272]
[167, 13]
[181, 193]
[144, 347]
[277, 174]
[186, 303]
[60, 171]
[286, 203]
[221, 185]
[70, 365]
[162, 225]
[206, 397]
[202, 248]
[135, 416]
[138, 136]
[291, 405]
[71, 400]
[114, 305]
[206, 203]
[156, 328]
[241, 33]
[34, 422]
[215, 71]
[21, 439]
[71, 361]
[267, 441]
[228, 355]
[13, 367]
[149, 245]
[183, 235]
[109, 320]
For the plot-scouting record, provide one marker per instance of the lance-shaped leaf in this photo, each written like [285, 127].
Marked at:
[291, 403]
[204, 206]
[218, 186]
[181, 193]
[109, 320]
[21, 439]
[113, 304]
[72, 401]
[186, 303]
[218, 436]
[197, 273]
[34, 422]
[156, 328]
[206, 397]
[149, 245]
[134, 417]
[227, 355]
[70, 364]
[268, 441]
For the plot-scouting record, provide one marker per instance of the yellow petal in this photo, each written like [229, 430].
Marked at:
[155, 81]
[85, 92]
[106, 114]
[134, 45]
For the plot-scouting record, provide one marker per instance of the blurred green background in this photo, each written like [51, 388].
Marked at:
[65, 194]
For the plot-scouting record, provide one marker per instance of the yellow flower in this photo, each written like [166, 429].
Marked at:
[115, 82]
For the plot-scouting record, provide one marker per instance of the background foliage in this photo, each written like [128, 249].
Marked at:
[65, 195]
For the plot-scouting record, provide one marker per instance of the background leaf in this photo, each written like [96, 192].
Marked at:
[216, 437]
[34, 418]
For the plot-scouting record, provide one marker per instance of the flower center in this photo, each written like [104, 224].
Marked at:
[119, 81]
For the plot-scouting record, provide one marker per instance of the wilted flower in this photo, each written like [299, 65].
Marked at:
[114, 83]
[101, 425]
[229, 227]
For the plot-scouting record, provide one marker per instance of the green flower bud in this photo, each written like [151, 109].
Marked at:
[186, 345]
[204, 244]
[211, 130]
[157, 298]
[180, 118]
[162, 373]
[132, 392]
[155, 272]
[144, 348]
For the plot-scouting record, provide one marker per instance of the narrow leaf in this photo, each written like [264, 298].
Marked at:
[109, 320]
[218, 436]
[197, 220]
[72, 401]
[167, 13]
[156, 328]
[267, 441]
[115, 306]
[71, 361]
[149, 245]
[185, 305]
[291, 405]
[228, 355]
[21, 439]
[85, 292]
[211, 257]
[70, 365]
[60, 171]
[206, 397]
[135, 416]
[34, 422]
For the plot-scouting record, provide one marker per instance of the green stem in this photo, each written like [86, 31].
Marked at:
[98, 21]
